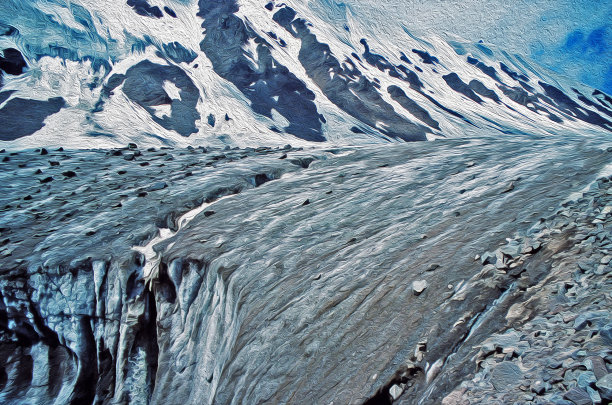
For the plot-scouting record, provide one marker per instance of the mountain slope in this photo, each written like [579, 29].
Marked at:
[251, 73]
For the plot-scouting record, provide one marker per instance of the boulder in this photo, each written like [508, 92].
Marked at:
[419, 286]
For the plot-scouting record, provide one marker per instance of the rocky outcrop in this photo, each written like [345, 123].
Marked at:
[268, 84]
[552, 343]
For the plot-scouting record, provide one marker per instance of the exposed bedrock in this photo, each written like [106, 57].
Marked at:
[12, 62]
[264, 81]
[340, 275]
[144, 84]
[21, 117]
[345, 87]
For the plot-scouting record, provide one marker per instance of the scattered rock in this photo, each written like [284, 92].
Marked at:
[160, 185]
[606, 332]
[456, 398]
[44, 151]
[538, 387]
[506, 374]
[597, 365]
[488, 258]
[511, 250]
[585, 266]
[604, 385]
[395, 391]
[589, 318]
[586, 379]
[578, 396]
[594, 395]
[419, 286]
[433, 267]
[509, 188]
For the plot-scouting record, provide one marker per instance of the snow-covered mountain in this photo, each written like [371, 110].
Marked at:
[349, 267]
[86, 73]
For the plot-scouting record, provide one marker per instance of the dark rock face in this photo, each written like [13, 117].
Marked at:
[12, 62]
[5, 95]
[513, 74]
[532, 102]
[143, 8]
[379, 61]
[22, 117]
[360, 98]
[269, 85]
[603, 98]
[361, 84]
[570, 107]
[488, 70]
[483, 90]
[455, 83]
[426, 57]
[590, 103]
[178, 53]
[170, 12]
[411, 106]
[144, 84]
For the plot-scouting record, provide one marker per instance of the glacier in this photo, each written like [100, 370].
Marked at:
[241, 201]
[280, 275]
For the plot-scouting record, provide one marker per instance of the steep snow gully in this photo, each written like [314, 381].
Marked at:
[349, 278]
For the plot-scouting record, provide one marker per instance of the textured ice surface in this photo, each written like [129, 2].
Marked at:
[298, 286]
